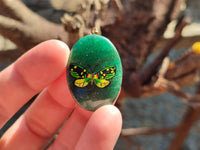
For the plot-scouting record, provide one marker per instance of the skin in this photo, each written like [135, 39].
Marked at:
[42, 69]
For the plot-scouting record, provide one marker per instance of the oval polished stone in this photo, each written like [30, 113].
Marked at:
[94, 72]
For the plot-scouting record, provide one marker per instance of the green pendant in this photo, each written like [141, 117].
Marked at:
[94, 72]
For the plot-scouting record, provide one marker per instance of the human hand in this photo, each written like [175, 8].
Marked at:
[43, 69]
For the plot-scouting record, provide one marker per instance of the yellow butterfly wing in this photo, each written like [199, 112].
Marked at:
[101, 83]
[81, 82]
[82, 77]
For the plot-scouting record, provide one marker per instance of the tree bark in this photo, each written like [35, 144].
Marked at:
[135, 37]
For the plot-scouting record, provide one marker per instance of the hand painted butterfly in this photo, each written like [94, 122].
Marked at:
[83, 77]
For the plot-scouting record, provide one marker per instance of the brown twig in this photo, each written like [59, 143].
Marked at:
[151, 69]
[173, 87]
[26, 31]
[133, 81]
[164, 67]
[181, 66]
[75, 26]
[192, 113]
[119, 7]
[146, 131]
[9, 55]
[11, 10]
[190, 117]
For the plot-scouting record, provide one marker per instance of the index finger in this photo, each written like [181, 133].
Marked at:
[35, 70]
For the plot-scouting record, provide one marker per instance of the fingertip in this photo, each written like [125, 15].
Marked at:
[109, 114]
[102, 129]
[110, 110]
[58, 45]
[54, 50]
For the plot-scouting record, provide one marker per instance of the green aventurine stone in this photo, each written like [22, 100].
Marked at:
[94, 72]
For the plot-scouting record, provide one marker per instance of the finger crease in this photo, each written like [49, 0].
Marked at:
[54, 100]
[46, 134]
[22, 79]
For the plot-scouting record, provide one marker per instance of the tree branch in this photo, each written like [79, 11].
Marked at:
[138, 35]
[17, 10]
[28, 31]
[191, 116]
[9, 55]
[146, 131]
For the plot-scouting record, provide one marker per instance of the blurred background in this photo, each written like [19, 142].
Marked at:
[140, 37]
